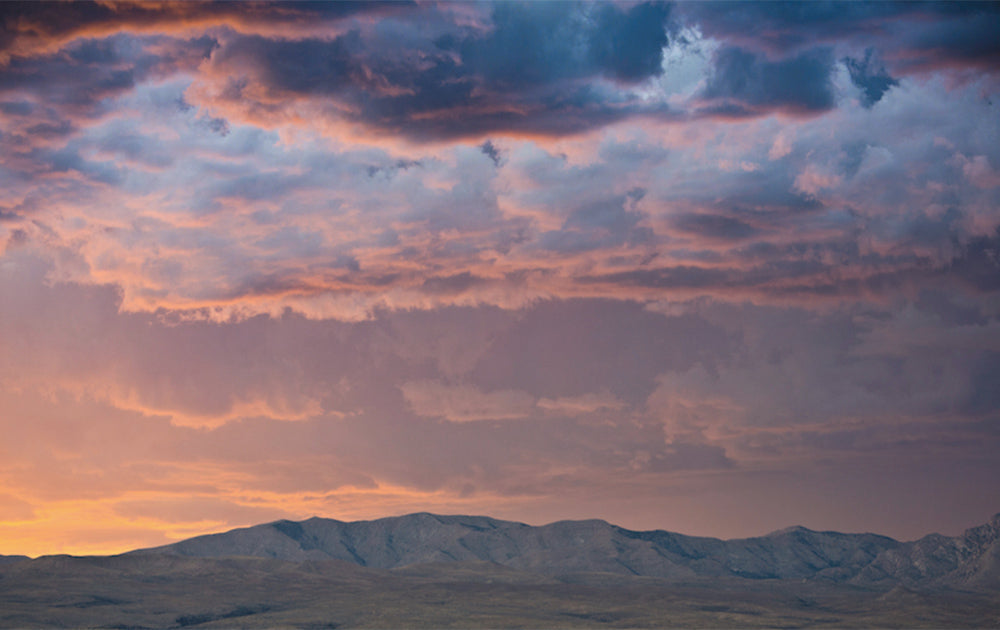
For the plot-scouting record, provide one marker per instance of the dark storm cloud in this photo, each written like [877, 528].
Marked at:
[870, 76]
[55, 91]
[536, 43]
[307, 66]
[446, 100]
[536, 70]
[556, 114]
[746, 83]
[66, 80]
[789, 26]
[29, 25]
[627, 46]
[914, 36]
[965, 36]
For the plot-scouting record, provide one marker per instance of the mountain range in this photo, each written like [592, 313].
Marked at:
[426, 570]
[972, 558]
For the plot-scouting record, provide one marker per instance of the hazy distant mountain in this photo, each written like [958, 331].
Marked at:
[597, 546]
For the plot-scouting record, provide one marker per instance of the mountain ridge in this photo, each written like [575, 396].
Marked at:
[971, 559]
[434, 571]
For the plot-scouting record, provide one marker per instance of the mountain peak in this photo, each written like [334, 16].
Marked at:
[794, 529]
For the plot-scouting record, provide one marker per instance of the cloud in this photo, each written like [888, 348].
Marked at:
[141, 365]
[464, 403]
[586, 403]
[601, 225]
[532, 68]
[978, 263]
[714, 226]
[33, 28]
[788, 28]
[814, 179]
[871, 78]
[81, 80]
[532, 44]
[961, 36]
[248, 224]
[566, 349]
[628, 45]
[833, 372]
[979, 171]
[555, 260]
[918, 37]
[491, 151]
[744, 83]
[468, 408]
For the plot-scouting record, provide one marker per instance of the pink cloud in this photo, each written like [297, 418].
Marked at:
[979, 171]
[815, 179]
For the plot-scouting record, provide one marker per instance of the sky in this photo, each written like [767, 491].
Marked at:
[711, 268]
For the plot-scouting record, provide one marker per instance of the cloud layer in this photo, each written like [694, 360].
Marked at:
[536, 260]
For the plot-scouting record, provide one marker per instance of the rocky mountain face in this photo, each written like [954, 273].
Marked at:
[972, 559]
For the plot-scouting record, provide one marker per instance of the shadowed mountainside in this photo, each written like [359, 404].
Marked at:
[597, 546]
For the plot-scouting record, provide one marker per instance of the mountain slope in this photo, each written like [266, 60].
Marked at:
[597, 546]
[972, 559]
[4, 560]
